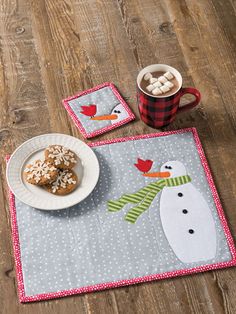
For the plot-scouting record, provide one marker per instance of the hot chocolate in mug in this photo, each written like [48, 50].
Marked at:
[158, 111]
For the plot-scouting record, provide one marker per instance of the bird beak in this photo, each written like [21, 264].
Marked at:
[165, 174]
[105, 117]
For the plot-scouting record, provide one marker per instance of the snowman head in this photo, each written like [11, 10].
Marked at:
[169, 169]
[121, 113]
[118, 114]
[174, 167]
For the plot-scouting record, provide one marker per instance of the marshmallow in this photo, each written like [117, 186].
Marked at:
[150, 87]
[153, 80]
[164, 88]
[147, 76]
[156, 91]
[162, 79]
[157, 84]
[169, 75]
[169, 84]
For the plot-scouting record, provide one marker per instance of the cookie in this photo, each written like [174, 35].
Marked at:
[65, 183]
[60, 156]
[40, 172]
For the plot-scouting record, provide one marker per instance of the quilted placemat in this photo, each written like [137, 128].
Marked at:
[154, 214]
[98, 110]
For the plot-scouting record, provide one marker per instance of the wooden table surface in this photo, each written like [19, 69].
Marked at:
[51, 49]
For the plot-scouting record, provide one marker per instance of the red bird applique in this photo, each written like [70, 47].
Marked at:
[144, 165]
[89, 111]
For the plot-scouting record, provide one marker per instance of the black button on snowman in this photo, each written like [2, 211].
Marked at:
[191, 231]
[186, 218]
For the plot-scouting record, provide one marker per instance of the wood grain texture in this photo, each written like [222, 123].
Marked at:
[52, 49]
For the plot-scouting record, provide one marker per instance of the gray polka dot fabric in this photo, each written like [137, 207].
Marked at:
[86, 245]
[98, 110]
[105, 101]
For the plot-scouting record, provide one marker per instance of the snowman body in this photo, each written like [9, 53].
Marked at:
[188, 223]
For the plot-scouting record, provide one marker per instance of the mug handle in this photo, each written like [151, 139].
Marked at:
[193, 91]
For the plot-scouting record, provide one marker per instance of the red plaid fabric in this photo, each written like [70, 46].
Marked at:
[157, 112]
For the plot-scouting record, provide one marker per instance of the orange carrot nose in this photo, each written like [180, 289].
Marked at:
[157, 174]
[105, 117]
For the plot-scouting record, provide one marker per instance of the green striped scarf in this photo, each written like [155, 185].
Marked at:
[144, 197]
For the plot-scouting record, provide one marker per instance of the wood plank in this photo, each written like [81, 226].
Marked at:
[150, 298]
[73, 59]
[60, 58]
[23, 114]
[211, 60]
[25, 103]
[108, 51]
[64, 51]
[214, 131]
[220, 115]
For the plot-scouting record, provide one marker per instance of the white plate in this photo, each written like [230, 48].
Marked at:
[87, 170]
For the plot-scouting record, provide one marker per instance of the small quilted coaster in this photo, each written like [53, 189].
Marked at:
[154, 214]
[98, 110]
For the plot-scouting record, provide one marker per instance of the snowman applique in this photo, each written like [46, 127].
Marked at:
[186, 218]
[117, 114]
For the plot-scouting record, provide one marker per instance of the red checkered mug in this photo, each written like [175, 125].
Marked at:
[161, 110]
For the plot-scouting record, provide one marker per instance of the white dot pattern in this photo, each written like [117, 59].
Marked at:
[87, 245]
[104, 99]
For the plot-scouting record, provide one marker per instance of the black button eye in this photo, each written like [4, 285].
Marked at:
[168, 167]
[118, 111]
[180, 194]
[184, 211]
[115, 111]
[191, 231]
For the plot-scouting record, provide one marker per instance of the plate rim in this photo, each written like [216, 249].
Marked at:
[9, 160]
